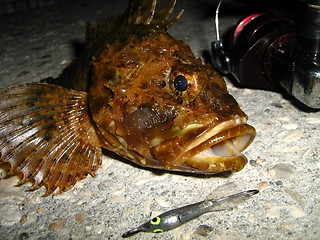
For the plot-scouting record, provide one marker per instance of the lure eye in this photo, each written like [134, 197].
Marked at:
[155, 221]
[180, 83]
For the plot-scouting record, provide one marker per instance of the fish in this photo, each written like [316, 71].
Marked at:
[135, 91]
[176, 217]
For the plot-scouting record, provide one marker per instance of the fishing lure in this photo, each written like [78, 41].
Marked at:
[176, 217]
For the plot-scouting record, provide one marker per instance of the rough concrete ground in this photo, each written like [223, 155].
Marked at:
[283, 160]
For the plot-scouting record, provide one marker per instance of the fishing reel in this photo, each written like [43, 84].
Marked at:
[270, 52]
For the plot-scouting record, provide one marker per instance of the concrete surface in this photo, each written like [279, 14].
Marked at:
[283, 160]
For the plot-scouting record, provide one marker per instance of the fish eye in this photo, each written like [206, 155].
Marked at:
[180, 83]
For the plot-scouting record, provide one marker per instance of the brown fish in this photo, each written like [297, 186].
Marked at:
[135, 91]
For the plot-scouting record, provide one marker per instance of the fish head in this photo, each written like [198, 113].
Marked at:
[155, 103]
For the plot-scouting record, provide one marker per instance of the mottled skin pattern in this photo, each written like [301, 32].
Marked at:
[125, 97]
[135, 99]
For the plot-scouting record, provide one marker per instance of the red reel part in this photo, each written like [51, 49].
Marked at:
[259, 44]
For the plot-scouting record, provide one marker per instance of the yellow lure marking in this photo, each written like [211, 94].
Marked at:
[156, 221]
[158, 231]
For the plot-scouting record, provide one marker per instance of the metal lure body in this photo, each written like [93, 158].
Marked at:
[176, 217]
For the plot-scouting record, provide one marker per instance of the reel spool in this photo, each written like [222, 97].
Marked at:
[260, 51]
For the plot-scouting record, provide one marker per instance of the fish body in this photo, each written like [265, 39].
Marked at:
[135, 91]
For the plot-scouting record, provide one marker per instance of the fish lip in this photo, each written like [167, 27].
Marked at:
[180, 149]
[234, 139]
[182, 152]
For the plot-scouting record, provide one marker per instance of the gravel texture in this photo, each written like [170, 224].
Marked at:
[283, 160]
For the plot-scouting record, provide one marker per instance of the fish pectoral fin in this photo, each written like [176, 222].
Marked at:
[47, 137]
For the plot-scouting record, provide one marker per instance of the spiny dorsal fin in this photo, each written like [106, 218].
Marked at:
[46, 136]
[138, 12]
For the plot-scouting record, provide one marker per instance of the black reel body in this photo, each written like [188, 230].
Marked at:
[264, 51]
[258, 51]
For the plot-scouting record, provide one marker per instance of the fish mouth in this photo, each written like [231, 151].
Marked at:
[223, 150]
[218, 148]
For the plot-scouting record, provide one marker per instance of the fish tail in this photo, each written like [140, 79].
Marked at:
[47, 137]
